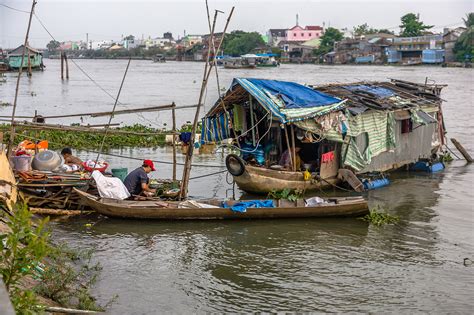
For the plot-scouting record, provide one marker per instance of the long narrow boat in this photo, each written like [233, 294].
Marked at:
[260, 180]
[212, 209]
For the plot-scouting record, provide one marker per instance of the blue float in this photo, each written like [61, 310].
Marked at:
[422, 166]
[376, 183]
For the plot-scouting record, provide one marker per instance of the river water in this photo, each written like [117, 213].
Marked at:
[329, 265]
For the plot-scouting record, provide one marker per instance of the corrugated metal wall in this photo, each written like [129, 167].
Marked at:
[410, 148]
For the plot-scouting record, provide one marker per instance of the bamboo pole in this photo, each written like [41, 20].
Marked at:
[64, 310]
[173, 114]
[117, 112]
[46, 211]
[217, 79]
[252, 120]
[189, 155]
[29, 63]
[294, 147]
[67, 66]
[12, 131]
[113, 110]
[288, 145]
[62, 65]
[34, 126]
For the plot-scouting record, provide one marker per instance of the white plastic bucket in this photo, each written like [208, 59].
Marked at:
[22, 163]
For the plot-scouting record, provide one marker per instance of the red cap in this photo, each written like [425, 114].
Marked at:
[150, 164]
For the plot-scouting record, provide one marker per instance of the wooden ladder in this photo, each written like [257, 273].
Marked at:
[349, 177]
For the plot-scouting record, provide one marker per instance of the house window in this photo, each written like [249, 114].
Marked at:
[302, 34]
[309, 34]
[407, 126]
[294, 34]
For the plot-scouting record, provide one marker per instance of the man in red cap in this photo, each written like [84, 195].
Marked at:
[137, 181]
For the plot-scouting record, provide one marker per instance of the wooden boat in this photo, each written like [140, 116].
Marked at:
[260, 180]
[212, 209]
[239, 63]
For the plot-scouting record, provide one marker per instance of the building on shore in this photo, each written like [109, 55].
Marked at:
[298, 33]
[33, 58]
[363, 49]
[416, 50]
[275, 36]
[295, 52]
[450, 38]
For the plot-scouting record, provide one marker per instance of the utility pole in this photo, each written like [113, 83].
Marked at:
[87, 41]
[12, 130]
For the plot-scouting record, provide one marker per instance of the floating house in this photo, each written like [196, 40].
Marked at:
[360, 128]
[33, 58]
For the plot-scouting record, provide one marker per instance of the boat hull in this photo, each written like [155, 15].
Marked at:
[260, 180]
[285, 209]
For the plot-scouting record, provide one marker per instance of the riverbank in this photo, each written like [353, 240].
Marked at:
[39, 274]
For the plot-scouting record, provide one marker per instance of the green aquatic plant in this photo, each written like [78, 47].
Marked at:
[86, 140]
[287, 194]
[446, 157]
[379, 217]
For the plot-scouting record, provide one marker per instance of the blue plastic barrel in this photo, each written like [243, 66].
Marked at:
[437, 167]
[377, 183]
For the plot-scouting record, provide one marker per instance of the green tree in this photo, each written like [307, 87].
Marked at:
[53, 45]
[469, 20]
[331, 35]
[240, 43]
[385, 31]
[412, 26]
[129, 37]
[464, 47]
[364, 29]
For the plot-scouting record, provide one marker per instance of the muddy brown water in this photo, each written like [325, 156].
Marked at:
[330, 265]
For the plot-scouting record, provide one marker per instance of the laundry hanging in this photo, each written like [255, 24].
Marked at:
[215, 128]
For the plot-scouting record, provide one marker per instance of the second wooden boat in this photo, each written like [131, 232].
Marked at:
[213, 209]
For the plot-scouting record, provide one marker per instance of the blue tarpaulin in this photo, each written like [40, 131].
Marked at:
[243, 205]
[289, 101]
[376, 90]
[215, 128]
[293, 94]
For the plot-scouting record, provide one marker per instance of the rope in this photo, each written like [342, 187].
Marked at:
[207, 175]
[449, 149]
[334, 185]
[112, 113]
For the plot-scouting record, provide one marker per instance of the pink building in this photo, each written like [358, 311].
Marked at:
[297, 33]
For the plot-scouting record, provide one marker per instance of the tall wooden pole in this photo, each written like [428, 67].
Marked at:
[62, 65]
[173, 113]
[288, 145]
[67, 66]
[29, 64]
[252, 119]
[112, 113]
[229, 118]
[207, 71]
[12, 130]
[294, 147]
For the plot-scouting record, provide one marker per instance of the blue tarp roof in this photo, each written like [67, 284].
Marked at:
[267, 55]
[289, 101]
[376, 90]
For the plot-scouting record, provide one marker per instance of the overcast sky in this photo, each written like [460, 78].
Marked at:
[110, 19]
